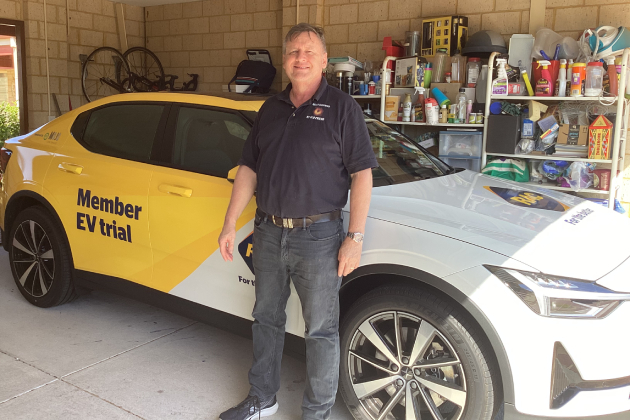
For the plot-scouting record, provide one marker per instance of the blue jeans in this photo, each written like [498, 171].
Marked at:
[308, 257]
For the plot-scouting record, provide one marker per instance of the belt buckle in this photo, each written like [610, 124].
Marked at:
[287, 223]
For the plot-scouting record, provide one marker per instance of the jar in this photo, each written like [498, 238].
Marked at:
[440, 63]
[594, 79]
[371, 88]
[473, 68]
[578, 78]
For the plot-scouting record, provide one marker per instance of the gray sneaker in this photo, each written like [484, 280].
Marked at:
[250, 408]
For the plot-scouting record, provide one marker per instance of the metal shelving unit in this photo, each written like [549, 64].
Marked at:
[618, 140]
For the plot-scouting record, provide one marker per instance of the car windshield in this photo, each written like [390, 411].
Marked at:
[400, 159]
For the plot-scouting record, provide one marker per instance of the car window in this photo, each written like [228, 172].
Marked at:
[126, 131]
[208, 141]
[400, 159]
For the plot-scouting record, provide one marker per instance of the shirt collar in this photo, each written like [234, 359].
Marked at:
[284, 95]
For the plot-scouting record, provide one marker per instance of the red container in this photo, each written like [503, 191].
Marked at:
[601, 179]
[554, 70]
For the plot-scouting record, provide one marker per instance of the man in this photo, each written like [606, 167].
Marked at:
[305, 145]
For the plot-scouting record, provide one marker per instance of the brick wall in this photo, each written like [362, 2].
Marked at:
[210, 37]
[90, 24]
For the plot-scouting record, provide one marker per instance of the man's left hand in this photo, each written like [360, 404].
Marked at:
[349, 256]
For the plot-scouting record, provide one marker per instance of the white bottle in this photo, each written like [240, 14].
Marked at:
[562, 78]
[500, 84]
[461, 106]
[407, 108]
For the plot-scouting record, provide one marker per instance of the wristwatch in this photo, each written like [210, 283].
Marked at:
[355, 236]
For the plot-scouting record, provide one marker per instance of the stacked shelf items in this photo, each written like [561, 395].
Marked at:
[502, 134]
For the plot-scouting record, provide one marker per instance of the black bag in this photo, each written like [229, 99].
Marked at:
[258, 75]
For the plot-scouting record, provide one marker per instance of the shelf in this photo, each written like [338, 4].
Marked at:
[550, 157]
[554, 98]
[550, 186]
[436, 125]
[366, 96]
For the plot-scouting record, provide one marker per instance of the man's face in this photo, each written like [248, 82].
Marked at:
[304, 58]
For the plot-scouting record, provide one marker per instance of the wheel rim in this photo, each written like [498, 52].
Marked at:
[104, 69]
[143, 63]
[33, 258]
[402, 367]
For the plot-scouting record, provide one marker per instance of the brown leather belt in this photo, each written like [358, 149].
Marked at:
[301, 221]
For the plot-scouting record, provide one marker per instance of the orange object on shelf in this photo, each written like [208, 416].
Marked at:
[599, 136]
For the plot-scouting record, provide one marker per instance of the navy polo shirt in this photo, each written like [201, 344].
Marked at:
[303, 157]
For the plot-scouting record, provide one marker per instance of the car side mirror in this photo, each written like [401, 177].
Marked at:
[231, 176]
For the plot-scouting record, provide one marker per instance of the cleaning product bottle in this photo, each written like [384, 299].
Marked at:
[461, 106]
[500, 84]
[561, 83]
[419, 108]
[407, 108]
[544, 84]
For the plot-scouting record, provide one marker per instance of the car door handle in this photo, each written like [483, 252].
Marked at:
[72, 168]
[175, 190]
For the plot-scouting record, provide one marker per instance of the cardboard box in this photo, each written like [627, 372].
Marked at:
[391, 108]
[599, 138]
[573, 135]
[451, 90]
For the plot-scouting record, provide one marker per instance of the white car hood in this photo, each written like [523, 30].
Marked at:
[577, 241]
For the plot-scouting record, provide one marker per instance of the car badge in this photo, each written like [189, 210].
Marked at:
[528, 199]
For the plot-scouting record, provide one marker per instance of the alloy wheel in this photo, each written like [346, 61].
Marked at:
[402, 367]
[33, 258]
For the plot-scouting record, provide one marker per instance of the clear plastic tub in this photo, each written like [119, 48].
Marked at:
[460, 144]
[594, 79]
[474, 164]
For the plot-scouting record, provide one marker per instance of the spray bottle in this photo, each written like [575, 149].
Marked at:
[561, 83]
[544, 84]
[500, 84]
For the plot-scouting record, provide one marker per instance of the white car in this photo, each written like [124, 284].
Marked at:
[476, 297]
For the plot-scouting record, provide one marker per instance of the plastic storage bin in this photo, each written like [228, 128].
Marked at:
[474, 164]
[460, 144]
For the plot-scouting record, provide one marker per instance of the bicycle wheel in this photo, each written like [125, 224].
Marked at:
[143, 62]
[102, 72]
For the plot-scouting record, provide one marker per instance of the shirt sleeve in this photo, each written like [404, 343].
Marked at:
[250, 154]
[357, 152]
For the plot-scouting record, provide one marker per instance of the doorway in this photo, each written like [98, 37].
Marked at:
[12, 72]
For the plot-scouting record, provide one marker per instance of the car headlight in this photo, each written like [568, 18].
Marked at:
[559, 297]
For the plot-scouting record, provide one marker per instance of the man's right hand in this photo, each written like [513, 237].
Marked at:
[226, 242]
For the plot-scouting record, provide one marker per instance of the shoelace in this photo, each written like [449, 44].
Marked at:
[254, 403]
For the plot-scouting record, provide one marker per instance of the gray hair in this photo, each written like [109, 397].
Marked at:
[301, 28]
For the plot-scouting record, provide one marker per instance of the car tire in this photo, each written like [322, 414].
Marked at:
[40, 259]
[451, 374]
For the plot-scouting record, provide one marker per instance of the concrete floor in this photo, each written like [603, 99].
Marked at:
[107, 357]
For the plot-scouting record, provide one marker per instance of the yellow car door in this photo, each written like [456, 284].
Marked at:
[188, 202]
[100, 183]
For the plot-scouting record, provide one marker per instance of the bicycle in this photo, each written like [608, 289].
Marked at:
[106, 72]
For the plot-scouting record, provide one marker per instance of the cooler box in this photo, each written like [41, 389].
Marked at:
[474, 164]
[460, 144]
